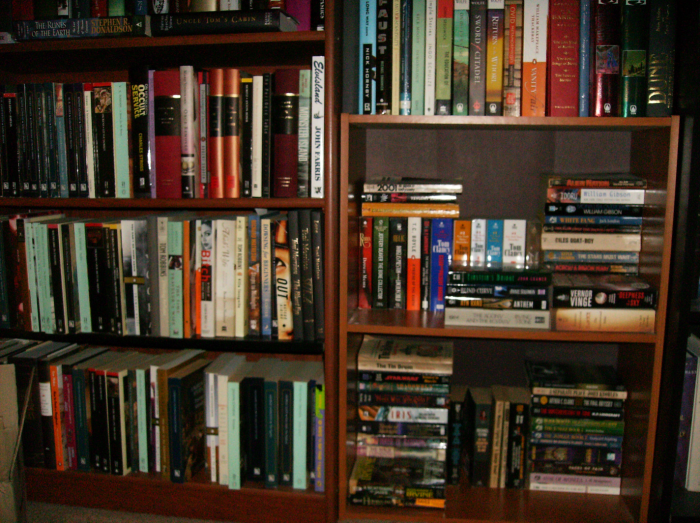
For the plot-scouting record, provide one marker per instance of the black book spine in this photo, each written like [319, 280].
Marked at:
[267, 135]
[114, 425]
[4, 182]
[71, 122]
[318, 15]
[317, 243]
[69, 282]
[81, 141]
[227, 22]
[255, 427]
[246, 126]
[456, 441]
[5, 319]
[397, 262]
[372, 376]
[32, 433]
[52, 143]
[56, 280]
[426, 242]
[114, 280]
[23, 158]
[11, 176]
[31, 171]
[140, 144]
[41, 147]
[477, 57]
[100, 431]
[295, 261]
[661, 57]
[103, 134]
[286, 400]
[516, 468]
[96, 246]
[47, 437]
[307, 275]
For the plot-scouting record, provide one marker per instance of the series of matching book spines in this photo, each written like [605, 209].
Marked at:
[113, 258]
[140, 130]
[580, 59]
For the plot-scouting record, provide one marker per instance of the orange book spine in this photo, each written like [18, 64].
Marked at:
[57, 425]
[216, 134]
[461, 243]
[231, 132]
[413, 265]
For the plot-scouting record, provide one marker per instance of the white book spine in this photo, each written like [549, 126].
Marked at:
[475, 317]
[318, 74]
[477, 257]
[133, 327]
[188, 142]
[257, 135]
[299, 475]
[430, 57]
[558, 241]
[514, 243]
[31, 276]
[89, 143]
[241, 278]
[225, 276]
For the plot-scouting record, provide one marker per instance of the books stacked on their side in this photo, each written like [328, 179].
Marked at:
[403, 412]
[406, 237]
[603, 302]
[593, 223]
[577, 427]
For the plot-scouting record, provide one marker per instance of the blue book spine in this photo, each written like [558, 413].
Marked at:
[140, 7]
[368, 38]
[406, 48]
[494, 244]
[584, 63]
[440, 259]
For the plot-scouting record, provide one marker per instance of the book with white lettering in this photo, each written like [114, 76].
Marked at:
[600, 291]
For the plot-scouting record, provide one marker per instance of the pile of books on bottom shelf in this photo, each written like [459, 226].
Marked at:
[403, 415]
[172, 414]
[577, 427]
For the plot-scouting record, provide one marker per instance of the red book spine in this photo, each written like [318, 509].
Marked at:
[605, 58]
[98, 8]
[166, 98]
[285, 133]
[231, 133]
[365, 283]
[562, 91]
[216, 135]
[301, 10]
[22, 10]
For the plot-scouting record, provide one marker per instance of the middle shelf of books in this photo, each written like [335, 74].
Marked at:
[500, 169]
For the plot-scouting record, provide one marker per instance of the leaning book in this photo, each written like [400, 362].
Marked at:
[109, 26]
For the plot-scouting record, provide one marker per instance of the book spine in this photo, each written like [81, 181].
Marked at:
[380, 246]
[401, 399]
[413, 266]
[121, 121]
[535, 18]
[496, 291]
[254, 275]
[564, 426]
[398, 243]
[57, 281]
[414, 430]
[216, 133]
[592, 209]
[497, 436]
[605, 320]
[114, 425]
[283, 277]
[516, 467]
[40, 140]
[477, 248]
[308, 283]
[584, 55]
[405, 75]
[441, 251]
[253, 399]
[505, 442]
[605, 58]
[103, 133]
[586, 413]
[512, 57]
[245, 123]
[224, 417]
[613, 196]
[271, 434]
[258, 122]
[320, 439]
[418, 58]
[431, 17]
[82, 411]
[318, 269]
[89, 142]
[367, 44]
[225, 288]
[266, 275]
[477, 57]
[365, 283]
[162, 256]
[285, 129]
[634, 45]
[425, 259]
[56, 387]
[295, 259]
[175, 279]
[443, 59]
[661, 57]
[234, 438]
[514, 243]
[175, 406]
[286, 414]
[519, 303]
[131, 420]
[395, 50]
[599, 268]
[318, 130]
[474, 317]
[494, 244]
[266, 161]
[495, 27]
[9, 103]
[79, 238]
[460, 59]
[51, 155]
[203, 126]
[188, 139]
[69, 408]
[231, 21]
[591, 241]
[304, 159]
[167, 129]
[299, 435]
[562, 75]
[142, 387]
[241, 287]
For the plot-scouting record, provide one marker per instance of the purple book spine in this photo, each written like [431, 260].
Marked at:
[440, 254]
[685, 425]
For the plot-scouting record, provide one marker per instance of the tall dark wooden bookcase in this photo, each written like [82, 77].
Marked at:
[109, 59]
[500, 161]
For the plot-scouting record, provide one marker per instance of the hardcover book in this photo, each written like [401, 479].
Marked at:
[166, 98]
[606, 58]
[103, 26]
[605, 320]
[634, 46]
[563, 71]
[477, 57]
[285, 133]
[231, 132]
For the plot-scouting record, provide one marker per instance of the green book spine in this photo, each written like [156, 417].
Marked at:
[635, 33]
[234, 436]
[32, 275]
[320, 439]
[418, 59]
[443, 60]
[175, 278]
[121, 139]
[142, 388]
[299, 424]
[271, 434]
[661, 60]
[82, 277]
[460, 59]
[43, 279]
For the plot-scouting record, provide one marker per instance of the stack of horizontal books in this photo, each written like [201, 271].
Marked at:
[577, 427]
[403, 411]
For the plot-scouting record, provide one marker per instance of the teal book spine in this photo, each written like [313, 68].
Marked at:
[460, 59]
[494, 244]
[43, 279]
[141, 391]
[175, 278]
[120, 122]
[235, 480]
[31, 275]
[635, 40]
[82, 277]
[271, 434]
[299, 424]
[82, 434]
[418, 59]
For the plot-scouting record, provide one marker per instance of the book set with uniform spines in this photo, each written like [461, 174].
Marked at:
[171, 414]
[516, 58]
[175, 133]
[177, 275]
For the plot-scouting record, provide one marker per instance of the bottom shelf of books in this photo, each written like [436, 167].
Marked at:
[496, 429]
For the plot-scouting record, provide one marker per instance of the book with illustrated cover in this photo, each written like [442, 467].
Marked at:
[405, 356]
[602, 291]
[513, 57]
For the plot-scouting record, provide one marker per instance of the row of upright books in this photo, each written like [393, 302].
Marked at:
[516, 57]
[171, 414]
[176, 275]
[176, 133]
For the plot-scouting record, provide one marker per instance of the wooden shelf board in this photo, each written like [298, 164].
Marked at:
[466, 504]
[516, 124]
[197, 499]
[420, 323]
[164, 204]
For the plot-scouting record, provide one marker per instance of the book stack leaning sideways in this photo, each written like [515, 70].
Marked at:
[577, 427]
[403, 415]
[495, 279]
[406, 234]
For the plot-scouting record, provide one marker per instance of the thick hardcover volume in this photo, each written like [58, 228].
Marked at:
[367, 62]
[443, 57]
[512, 57]
[365, 296]
[535, 18]
[285, 133]
[634, 43]
[413, 264]
[384, 46]
[140, 143]
[460, 59]
[661, 57]
[563, 70]
[109, 26]
[216, 133]
[605, 59]
[477, 58]
[431, 9]
[231, 106]
[397, 263]
[188, 130]
[166, 98]
[441, 253]
[318, 126]
[495, 19]
[224, 22]
[380, 262]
